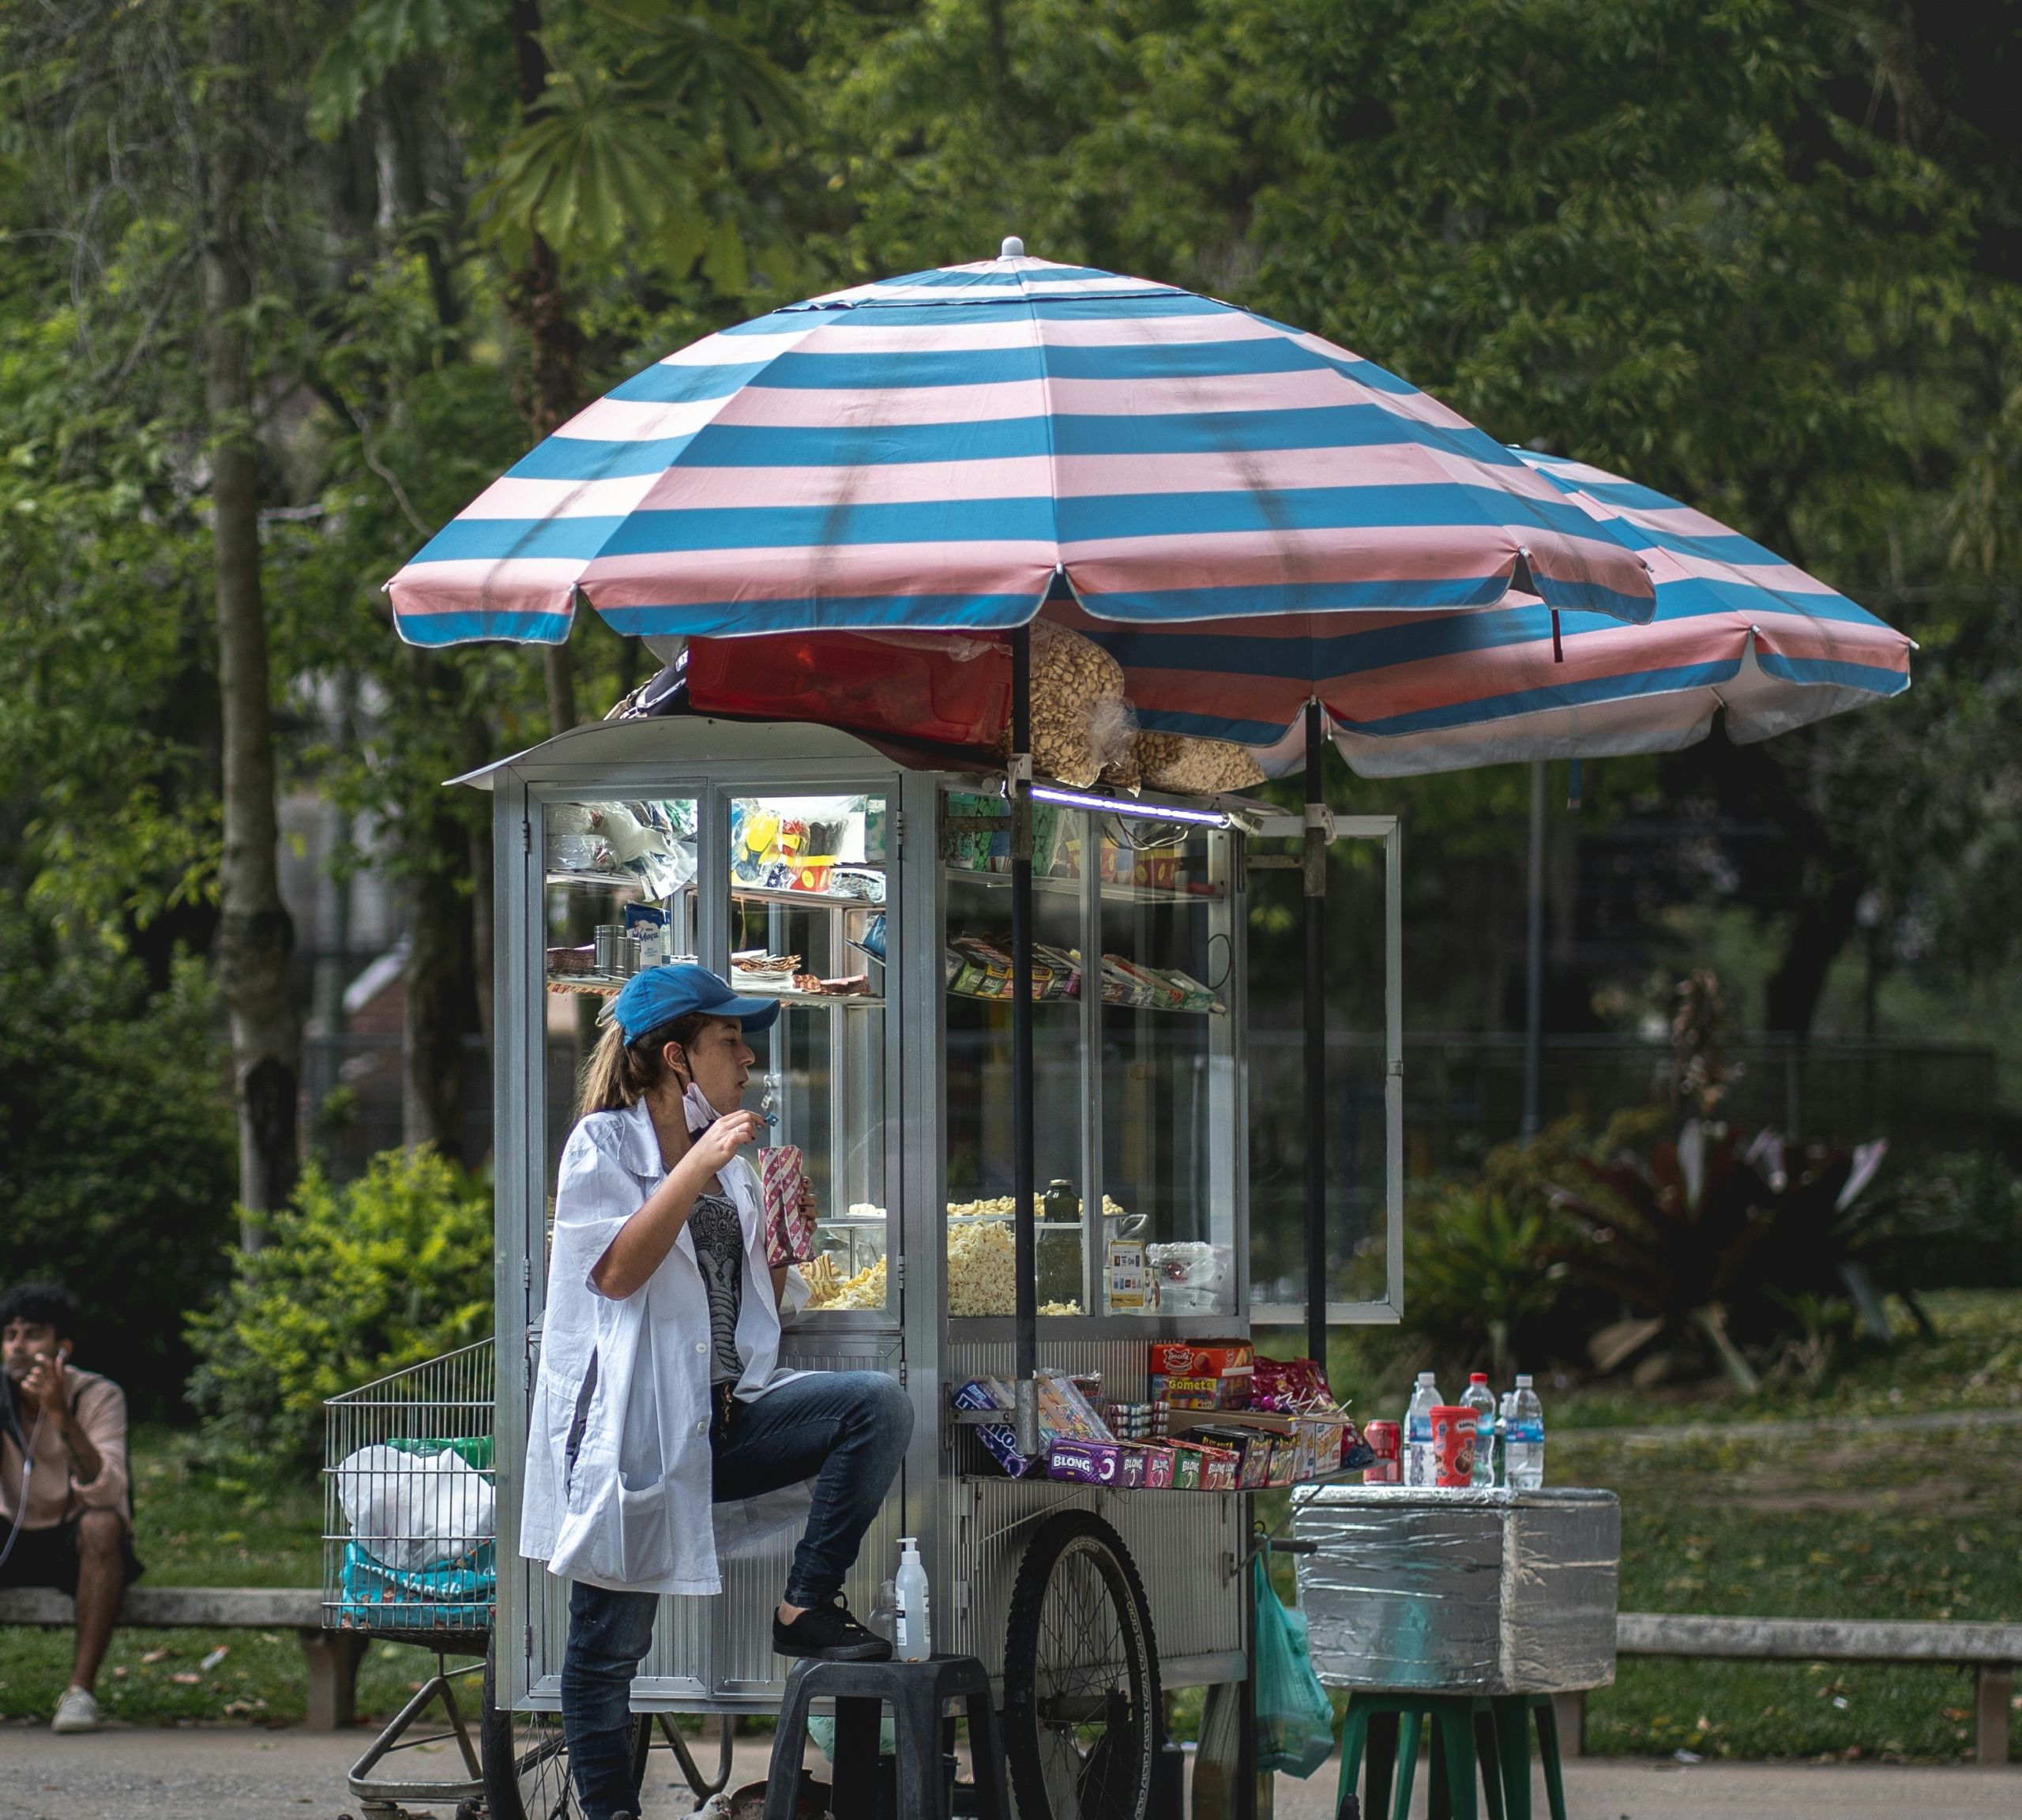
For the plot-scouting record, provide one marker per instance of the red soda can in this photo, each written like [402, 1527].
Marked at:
[1453, 1445]
[1385, 1441]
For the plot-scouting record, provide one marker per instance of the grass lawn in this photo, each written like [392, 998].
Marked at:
[192, 1532]
[1823, 1521]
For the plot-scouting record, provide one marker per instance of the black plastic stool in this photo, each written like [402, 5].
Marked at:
[917, 1692]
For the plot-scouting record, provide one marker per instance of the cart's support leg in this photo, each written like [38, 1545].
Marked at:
[699, 1785]
[1316, 1043]
[334, 1657]
[1024, 1176]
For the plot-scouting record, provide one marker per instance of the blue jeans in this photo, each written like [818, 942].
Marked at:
[848, 1431]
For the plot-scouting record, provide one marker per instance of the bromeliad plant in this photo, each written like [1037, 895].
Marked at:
[1698, 1236]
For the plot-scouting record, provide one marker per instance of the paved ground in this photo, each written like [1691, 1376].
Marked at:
[1618, 1788]
[231, 1773]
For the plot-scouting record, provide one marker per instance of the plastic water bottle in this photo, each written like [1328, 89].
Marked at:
[1525, 1444]
[1479, 1398]
[912, 1628]
[1420, 1468]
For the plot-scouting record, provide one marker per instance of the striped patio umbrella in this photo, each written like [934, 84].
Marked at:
[942, 451]
[1737, 629]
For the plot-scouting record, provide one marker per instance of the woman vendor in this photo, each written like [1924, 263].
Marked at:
[659, 1389]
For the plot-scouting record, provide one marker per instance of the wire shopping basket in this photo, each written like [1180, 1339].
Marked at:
[408, 1503]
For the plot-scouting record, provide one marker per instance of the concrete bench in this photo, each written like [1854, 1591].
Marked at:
[332, 1655]
[1990, 1650]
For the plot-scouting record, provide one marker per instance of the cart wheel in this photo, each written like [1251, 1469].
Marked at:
[1082, 1714]
[526, 1762]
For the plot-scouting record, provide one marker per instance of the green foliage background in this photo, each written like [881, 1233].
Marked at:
[353, 1283]
[116, 1150]
[1766, 255]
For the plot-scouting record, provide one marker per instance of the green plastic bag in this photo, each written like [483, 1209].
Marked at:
[1294, 1717]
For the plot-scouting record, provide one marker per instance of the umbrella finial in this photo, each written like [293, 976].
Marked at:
[1013, 248]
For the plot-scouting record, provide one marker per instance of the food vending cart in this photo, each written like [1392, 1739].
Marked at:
[871, 895]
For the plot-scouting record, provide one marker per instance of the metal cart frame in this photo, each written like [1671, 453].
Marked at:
[971, 1522]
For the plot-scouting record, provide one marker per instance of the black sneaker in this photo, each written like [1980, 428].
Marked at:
[828, 1633]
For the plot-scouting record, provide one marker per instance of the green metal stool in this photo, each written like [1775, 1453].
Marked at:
[1474, 1737]
[1466, 1747]
[1513, 1749]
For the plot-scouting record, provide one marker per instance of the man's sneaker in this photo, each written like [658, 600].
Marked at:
[828, 1633]
[75, 1712]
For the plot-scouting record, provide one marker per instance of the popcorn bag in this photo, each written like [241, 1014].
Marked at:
[789, 1235]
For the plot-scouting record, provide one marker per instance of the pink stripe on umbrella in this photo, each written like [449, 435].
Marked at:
[828, 571]
[500, 585]
[905, 482]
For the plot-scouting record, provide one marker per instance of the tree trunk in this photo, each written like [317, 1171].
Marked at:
[254, 932]
[1826, 917]
[440, 1006]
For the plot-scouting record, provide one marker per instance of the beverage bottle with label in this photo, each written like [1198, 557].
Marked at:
[1420, 1468]
[1479, 1398]
[1524, 1444]
[912, 1630]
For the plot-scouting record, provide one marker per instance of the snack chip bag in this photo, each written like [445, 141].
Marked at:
[789, 1233]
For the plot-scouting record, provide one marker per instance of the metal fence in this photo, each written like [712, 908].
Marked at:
[1463, 1094]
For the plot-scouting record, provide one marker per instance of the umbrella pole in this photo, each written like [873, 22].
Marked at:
[1316, 1045]
[1534, 961]
[1025, 1240]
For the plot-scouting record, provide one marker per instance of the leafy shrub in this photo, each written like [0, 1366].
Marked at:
[353, 1283]
[117, 1154]
[1480, 1285]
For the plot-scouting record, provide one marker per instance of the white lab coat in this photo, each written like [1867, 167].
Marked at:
[633, 1513]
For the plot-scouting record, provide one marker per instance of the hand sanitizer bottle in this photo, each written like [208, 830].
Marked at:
[912, 1635]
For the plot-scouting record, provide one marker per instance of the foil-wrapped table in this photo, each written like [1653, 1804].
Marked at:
[1491, 1592]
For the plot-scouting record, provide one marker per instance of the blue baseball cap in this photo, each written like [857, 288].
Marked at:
[657, 996]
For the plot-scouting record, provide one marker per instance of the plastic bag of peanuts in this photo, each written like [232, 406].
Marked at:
[1192, 767]
[1083, 730]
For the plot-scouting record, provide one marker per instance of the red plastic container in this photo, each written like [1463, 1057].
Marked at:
[1453, 1440]
[953, 690]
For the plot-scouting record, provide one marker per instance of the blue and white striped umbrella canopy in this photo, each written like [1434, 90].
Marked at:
[1737, 631]
[942, 451]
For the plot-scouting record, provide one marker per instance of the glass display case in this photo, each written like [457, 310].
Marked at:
[1136, 1083]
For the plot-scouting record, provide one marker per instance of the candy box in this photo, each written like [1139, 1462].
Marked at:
[1203, 1392]
[1086, 1462]
[999, 1439]
[1284, 1454]
[1319, 1447]
[789, 1232]
[1187, 1465]
[1219, 1469]
[1133, 1467]
[1201, 1359]
[1158, 1467]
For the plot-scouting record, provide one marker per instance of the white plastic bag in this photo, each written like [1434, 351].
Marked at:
[410, 1510]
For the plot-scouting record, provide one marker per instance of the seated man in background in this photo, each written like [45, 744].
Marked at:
[67, 1521]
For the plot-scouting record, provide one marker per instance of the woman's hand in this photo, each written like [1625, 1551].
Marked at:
[643, 1242]
[722, 1140]
[809, 1213]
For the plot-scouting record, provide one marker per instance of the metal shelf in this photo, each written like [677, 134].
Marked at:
[1108, 1004]
[826, 899]
[605, 987]
[1112, 891]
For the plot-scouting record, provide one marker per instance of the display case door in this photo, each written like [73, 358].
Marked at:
[1365, 1217]
[711, 1653]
